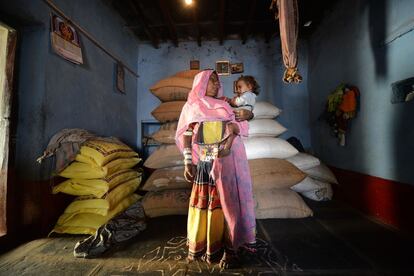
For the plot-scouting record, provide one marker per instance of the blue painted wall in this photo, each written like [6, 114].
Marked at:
[349, 47]
[54, 94]
[263, 61]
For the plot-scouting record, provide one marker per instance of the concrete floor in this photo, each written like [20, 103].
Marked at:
[336, 241]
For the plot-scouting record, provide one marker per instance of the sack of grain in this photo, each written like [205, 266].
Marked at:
[165, 156]
[280, 203]
[166, 202]
[169, 111]
[265, 128]
[272, 173]
[304, 161]
[167, 178]
[83, 168]
[322, 173]
[102, 151]
[268, 147]
[187, 74]
[172, 89]
[96, 187]
[314, 189]
[166, 133]
[265, 110]
[88, 223]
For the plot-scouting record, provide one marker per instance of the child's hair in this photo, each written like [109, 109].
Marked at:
[252, 81]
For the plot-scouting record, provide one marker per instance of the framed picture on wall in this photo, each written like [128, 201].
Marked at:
[194, 65]
[120, 78]
[237, 68]
[223, 67]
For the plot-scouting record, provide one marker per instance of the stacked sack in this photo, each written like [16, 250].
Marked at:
[104, 181]
[272, 175]
[318, 183]
[167, 191]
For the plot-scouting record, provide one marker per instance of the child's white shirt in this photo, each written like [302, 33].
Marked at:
[246, 100]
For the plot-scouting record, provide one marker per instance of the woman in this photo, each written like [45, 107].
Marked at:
[221, 210]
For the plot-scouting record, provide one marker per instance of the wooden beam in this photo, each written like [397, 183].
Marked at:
[169, 22]
[221, 20]
[196, 25]
[252, 10]
[140, 16]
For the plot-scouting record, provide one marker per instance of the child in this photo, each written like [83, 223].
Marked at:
[247, 89]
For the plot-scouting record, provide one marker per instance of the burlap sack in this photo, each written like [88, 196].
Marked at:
[165, 156]
[271, 173]
[280, 203]
[172, 89]
[166, 202]
[169, 111]
[187, 73]
[167, 178]
[166, 133]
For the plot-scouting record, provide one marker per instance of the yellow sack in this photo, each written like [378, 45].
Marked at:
[95, 187]
[103, 151]
[99, 206]
[86, 223]
[84, 170]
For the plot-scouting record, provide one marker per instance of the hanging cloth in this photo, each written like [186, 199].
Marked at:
[288, 14]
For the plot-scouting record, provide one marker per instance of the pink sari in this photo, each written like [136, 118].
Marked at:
[231, 173]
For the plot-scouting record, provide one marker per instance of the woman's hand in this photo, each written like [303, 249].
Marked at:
[224, 152]
[243, 114]
[189, 172]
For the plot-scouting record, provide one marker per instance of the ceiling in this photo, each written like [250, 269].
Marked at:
[158, 21]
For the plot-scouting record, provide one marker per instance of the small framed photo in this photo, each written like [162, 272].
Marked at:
[223, 67]
[237, 68]
[235, 87]
[120, 78]
[194, 65]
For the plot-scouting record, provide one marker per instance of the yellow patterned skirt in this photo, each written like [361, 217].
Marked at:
[206, 231]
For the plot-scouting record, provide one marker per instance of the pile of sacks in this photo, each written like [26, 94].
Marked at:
[104, 181]
[279, 171]
[167, 191]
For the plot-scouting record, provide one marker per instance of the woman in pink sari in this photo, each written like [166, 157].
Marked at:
[221, 210]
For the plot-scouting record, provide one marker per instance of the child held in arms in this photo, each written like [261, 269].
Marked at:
[247, 89]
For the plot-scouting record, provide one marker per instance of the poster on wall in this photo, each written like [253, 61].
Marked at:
[120, 78]
[65, 40]
[223, 67]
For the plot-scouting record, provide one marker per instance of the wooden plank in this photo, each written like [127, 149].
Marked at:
[221, 20]
[249, 20]
[169, 22]
[5, 108]
[141, 18]
[196, 25]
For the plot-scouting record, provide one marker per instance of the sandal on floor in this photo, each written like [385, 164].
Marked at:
[229, 261]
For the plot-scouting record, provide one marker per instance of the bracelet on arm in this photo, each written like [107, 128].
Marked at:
[187, 156]
[188, 132]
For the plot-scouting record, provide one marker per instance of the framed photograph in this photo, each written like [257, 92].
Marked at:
[235, 86]
[194, 65]
[65, 40]
[223, 67]
[237, 68]
[120, 78]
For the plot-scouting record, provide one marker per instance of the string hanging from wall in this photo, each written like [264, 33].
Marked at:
[288, 14]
